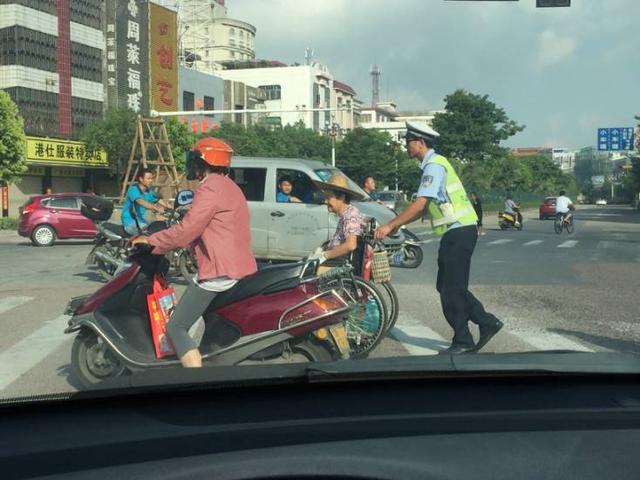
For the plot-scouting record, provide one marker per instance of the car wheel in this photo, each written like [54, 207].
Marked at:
[43, 236]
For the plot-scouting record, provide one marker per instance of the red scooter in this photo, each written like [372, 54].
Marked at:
[282, 313]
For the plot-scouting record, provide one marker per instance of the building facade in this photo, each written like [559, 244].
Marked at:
[292, 92]
[385, 117]
[51, 63]
[208, 37]
[200, 91]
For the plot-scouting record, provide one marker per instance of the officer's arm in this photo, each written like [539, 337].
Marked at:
[411, 213]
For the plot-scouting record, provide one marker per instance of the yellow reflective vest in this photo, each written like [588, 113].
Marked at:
[460, 210]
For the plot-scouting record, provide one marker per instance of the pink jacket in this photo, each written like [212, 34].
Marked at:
[218, 226]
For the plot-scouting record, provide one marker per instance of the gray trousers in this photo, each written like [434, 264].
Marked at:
[192, 304]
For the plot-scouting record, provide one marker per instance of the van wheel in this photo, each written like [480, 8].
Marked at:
[43, 236]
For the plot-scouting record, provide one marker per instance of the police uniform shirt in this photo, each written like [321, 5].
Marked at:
[433, 182]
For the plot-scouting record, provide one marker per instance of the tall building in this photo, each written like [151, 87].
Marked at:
[208, 37]
[51, 63]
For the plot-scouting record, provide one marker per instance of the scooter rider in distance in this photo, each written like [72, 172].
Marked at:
[217, 225]
[513, 209]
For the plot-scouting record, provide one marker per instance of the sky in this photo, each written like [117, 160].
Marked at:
[562, 72]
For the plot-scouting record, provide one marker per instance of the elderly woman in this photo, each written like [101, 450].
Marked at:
[338, 196]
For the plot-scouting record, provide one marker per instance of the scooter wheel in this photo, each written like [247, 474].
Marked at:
[92, 361]
[412, 257]
[311, 351]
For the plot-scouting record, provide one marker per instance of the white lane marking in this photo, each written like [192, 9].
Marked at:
[501, 241]
[568, 244]
[31, 350]
[430, 240]
[532, 242]
[416, 337]
[607, 244]
[8, 303]
[549, 341]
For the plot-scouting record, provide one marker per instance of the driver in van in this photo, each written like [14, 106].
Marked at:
[217, 225]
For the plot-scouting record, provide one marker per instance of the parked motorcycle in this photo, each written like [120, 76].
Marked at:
[282, 313]
[508, 220]
[410, 254]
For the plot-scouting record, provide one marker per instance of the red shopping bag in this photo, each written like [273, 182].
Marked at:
[161, 303]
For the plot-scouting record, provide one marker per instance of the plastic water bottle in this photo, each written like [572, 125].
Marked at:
[371, 316]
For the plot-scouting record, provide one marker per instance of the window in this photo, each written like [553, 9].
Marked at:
[63, 202]
[251, 181]
[303, 188]
[209, 104]
[232, 54]
[188, 101]
[272, 92]
[232, 32]
[232, 42]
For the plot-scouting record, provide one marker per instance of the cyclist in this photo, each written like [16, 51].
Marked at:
[563, 205]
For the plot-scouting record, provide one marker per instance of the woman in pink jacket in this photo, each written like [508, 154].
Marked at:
[217, 226]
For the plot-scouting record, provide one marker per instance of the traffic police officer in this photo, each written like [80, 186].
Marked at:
[453, 217]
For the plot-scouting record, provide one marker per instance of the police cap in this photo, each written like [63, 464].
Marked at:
[421, 131]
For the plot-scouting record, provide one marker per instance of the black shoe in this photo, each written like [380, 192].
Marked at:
[488, 333]
[456, 350]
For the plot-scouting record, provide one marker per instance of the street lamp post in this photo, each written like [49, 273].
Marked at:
[333, 129]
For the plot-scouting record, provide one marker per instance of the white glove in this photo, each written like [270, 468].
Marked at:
[318, 255]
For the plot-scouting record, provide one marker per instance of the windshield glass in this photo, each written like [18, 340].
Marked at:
[502, 135]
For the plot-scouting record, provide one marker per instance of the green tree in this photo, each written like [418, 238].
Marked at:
[365, 152]
[12, 140]
[472, 127]
[116, 131]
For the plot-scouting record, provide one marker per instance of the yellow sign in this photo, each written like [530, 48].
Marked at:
[163, 61]
[54, 152]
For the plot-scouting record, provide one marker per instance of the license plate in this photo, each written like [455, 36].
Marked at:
[397, 258]
[339, 335]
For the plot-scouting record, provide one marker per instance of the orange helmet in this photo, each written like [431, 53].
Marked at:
[215, 152]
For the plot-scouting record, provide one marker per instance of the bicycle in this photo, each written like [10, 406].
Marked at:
[563, 222]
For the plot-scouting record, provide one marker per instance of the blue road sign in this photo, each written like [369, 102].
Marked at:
[614, 139]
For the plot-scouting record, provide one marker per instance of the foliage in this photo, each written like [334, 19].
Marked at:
[8, 223]
[291, 141]
[472, 127]
[116, 131]
[12, 140]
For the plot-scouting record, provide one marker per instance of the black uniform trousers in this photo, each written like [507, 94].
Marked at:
[458, 303]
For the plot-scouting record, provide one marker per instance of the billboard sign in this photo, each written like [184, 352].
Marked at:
[615, 139]
[163, 58]
[127, 55]
[51, 151]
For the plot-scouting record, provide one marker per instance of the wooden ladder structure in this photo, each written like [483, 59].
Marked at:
[151, 148]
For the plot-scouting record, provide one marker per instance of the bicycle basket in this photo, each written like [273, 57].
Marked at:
[380, 268]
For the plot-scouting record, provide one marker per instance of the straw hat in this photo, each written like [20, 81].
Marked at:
[340, 184]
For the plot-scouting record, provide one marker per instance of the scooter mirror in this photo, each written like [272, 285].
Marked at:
[183, 198]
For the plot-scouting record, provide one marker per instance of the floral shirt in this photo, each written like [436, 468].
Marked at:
[350, 223]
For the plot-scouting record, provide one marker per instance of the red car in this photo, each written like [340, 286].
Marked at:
[45, 218]
[548, 208]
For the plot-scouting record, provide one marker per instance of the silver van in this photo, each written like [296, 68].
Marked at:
[290, 231]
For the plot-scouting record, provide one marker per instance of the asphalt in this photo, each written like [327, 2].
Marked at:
[553, 292]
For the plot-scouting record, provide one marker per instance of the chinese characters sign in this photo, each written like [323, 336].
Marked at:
[127, 59]
[64, 152]
[613, 139]
[163, 61]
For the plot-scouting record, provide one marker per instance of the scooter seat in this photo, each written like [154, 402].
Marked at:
[266, 279]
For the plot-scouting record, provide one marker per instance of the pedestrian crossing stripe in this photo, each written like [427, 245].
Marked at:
[500, 241]
[568, 244]
[532, 242]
